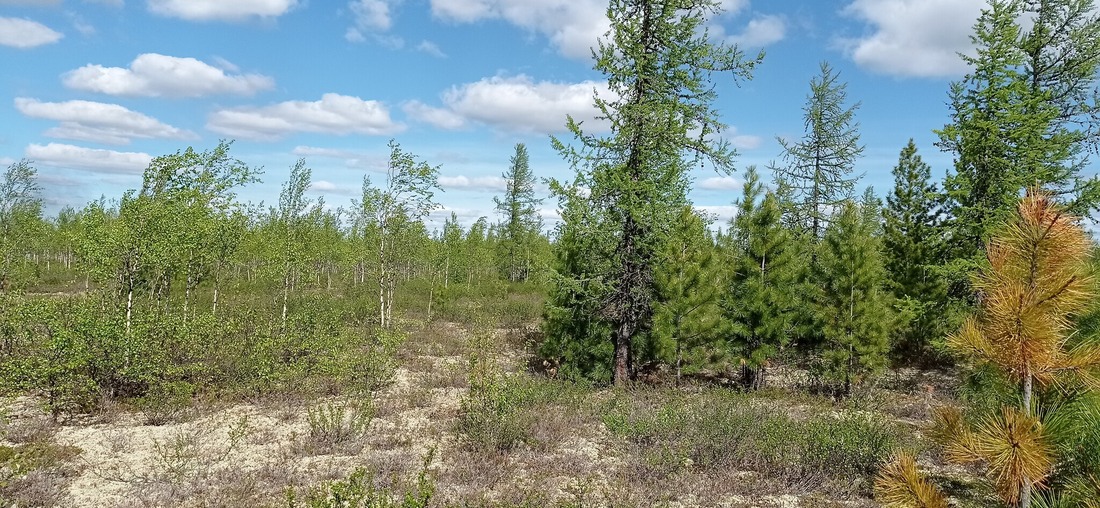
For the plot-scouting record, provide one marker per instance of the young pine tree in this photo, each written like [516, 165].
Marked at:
[684, 316]
[851, 304]
[1036, 280]
[912, 248]
[758, 306]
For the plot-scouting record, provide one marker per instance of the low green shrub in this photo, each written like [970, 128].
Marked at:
[333, 424]
[362, 490]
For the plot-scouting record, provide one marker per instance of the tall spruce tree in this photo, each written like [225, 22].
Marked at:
[913, 250]
[851, 304]
[658, 62]
[817, 169]
[758, 306]
[519, 209]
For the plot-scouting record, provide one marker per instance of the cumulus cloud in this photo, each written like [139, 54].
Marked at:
[516, 104]
[490, 183]
[98, 122]
[720, 214]
[351, 158]
[24, 33]
[333, 114]
[430, 48]
[573, 26]
[720, 183]
[88, 159]
[221, 10]
[761, 31]
[155, 75]
[913, 37]
[439, 117]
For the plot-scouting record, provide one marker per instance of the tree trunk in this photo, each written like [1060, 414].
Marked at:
[622, 372]
[1025, 482]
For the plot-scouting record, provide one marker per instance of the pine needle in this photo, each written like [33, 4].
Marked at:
[901, 485]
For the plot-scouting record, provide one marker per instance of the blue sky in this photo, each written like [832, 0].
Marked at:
[92, 89]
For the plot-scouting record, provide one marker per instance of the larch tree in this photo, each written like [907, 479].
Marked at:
[1062, 61]
[658, 62]
[1024, 115]
[818, 168]
[758, 305]
[519, 210]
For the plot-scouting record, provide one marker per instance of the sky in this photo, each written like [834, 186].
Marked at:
[91, 90]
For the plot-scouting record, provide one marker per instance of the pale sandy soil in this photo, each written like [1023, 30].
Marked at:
[248, 454]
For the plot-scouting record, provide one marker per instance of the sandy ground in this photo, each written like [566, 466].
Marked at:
[248, 454]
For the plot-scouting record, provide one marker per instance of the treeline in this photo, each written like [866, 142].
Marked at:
[178, 288]
[840, 284]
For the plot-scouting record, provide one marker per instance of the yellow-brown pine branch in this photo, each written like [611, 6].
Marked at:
[1036, 280]
[1016, 451]
[900, 485]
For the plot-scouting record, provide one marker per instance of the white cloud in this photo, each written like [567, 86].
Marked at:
[333, 114]
[746, 142]
[439, 117]
[373, 18]
[24, 33]
[327, 187]
[430, 48]
[225, 65]
[913, 37]
[155, 75]
[6, 161]
[98, 122]
[762, 31]
[88, 159]
[573, 26]
[521, 104]
[372, 14]
[721, 214]
[221, 10]
[351, 158]
[720, 183]
[491, 183]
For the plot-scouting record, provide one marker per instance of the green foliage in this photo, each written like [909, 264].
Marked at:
[685, 313]
[759, 304]
[521, 225]
[658, 63]
[818, 167]
[338, 423]
[913, 249]
[362, 490]
[853, 309]
[723, 431]
[20, 217]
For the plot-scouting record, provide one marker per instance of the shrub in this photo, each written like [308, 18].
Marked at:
[361, 490]
[333, 424]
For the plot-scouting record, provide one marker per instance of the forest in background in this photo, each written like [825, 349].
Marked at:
[177, 291]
